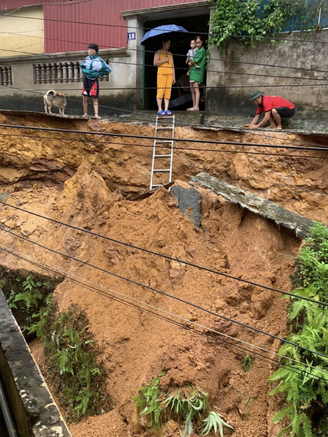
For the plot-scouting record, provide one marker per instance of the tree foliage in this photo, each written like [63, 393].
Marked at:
[254, 20]
[303, 377]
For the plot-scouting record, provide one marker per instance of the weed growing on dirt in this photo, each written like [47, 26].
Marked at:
[214, 421]
[305, 385]
[247, 362]
[189, 404]
[28, 297]
[71, 355]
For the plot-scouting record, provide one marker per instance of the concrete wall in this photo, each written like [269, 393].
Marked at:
[234, 72]
[31, 405]
[116, 94]
[20, 36]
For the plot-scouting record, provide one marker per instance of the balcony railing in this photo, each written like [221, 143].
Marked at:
[61, 72]
[5, 76]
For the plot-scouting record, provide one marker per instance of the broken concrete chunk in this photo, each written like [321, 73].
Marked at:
[189, 202]
[256, 204]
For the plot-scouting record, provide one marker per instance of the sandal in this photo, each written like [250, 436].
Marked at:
[161, 112]
[168, 112]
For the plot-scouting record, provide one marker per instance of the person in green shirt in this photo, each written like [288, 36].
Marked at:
[197, 72]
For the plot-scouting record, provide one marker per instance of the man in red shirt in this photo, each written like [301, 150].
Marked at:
[274, 109]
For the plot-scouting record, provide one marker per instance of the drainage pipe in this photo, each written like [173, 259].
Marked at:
[6, 414]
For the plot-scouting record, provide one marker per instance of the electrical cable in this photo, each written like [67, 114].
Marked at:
[177, 55]
[253, 132]
[161, 255]
[178, 149]
[208, 70]
[179, 299]
[181, 149]
[281, 67]
[110, 134]
[301, 40]
[119, 297]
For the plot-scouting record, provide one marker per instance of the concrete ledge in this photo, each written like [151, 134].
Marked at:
[256, 204]
[32, 407]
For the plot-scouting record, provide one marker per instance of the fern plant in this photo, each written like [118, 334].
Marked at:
[214, 421]
[71, 355]
[189, 404]
[303, 377]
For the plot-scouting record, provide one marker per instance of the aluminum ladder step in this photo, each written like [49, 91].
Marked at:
[167, 123]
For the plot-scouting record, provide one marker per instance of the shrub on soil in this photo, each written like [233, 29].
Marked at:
[188, 405]
[303, 375]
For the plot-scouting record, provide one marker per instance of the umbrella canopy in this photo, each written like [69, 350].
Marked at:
[157, 33]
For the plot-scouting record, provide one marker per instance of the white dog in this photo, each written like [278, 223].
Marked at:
[55, 98]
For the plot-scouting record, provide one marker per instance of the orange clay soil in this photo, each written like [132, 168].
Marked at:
[90, 184]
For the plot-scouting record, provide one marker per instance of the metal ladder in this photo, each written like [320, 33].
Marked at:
[163, 123]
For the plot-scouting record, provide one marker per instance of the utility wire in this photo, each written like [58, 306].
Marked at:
[181, 149]
[110, 134]
[254, 132]
[244, 325]
[150, 146]
[144, 50]
[302, 40]
[161, 255]
[208, 70]
[119, 297]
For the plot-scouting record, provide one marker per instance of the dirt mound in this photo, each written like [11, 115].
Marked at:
[145, 329]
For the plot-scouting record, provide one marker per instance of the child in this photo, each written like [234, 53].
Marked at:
[92, 67]
[191, 53]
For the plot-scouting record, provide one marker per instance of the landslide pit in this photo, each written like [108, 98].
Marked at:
[90, 181]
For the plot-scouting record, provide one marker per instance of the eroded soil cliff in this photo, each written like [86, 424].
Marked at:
[89, 182]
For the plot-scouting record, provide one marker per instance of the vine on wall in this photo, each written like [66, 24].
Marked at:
[254, 20]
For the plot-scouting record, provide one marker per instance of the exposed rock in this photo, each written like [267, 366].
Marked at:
[189, 202]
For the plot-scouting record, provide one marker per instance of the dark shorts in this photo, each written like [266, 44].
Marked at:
[90, 87]
[285, 112]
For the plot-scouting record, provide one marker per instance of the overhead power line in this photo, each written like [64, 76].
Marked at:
[322, 80]
[144, 50]
[110, 134]
[170, 296]
[170, 258]
[87, 23]
[120, 297]
[177, 149]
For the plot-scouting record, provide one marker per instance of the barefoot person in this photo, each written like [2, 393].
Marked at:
[274, 109]
[92, 67]
[196, 73]
[163, 59]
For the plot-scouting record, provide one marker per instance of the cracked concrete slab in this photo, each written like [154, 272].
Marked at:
[256, 204]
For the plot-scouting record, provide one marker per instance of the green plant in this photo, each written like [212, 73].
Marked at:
[147, 402]
[247, 362]
[253, 20]
[71, 355]
[189, 404]
[303, 375]
[29, 299]
[214, 421]
[246, 407]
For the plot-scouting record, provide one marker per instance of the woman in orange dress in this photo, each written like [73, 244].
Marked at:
[163, 59]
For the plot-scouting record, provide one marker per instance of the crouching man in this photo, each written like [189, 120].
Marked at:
[275, 108]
